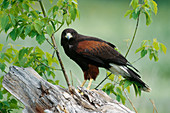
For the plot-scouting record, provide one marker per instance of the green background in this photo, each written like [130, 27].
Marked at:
[105, 19]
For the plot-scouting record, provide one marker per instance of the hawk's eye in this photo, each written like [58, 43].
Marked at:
[68, 36]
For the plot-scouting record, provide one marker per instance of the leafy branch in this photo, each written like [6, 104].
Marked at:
[146, 7]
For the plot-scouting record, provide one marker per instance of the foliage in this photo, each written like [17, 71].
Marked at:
[152, 48]
[115, 88]
[22, 19]
[146, 7]
[19, 19]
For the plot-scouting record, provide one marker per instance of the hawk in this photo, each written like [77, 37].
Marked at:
[90, 53]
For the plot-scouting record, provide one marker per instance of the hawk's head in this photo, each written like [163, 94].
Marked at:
[68, 36]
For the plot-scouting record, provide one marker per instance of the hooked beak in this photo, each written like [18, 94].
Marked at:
[68, 36]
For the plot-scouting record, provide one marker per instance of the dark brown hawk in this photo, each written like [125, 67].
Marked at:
[90, 53]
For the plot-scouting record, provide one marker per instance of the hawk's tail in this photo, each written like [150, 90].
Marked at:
[129, 74]
[136, 78]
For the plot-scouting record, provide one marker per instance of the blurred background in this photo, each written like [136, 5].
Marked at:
[105, 19]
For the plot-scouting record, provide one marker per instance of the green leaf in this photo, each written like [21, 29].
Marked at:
[1, 95]
[40, 51]
[50, 59]
[118, 98]
[148, 17]
[139, 49]
[135, 15]
[20, 30]
[22, 52]
[33, 33]
[53, 75]
[27, 30]
[119, 90]
[128, 12]
[49, 30]
[5, 4]
[136, 89]
[38, 28]
[155, 55]
[127, 83]
[51, 1]
[68, 20]
[6, 103]
[4, 21]
[123, 99]
[57, 82]
[155, 44]
[13, 34]
[22, 61]
[34, 14]
[151, 56]
[64, 17]
[143, 43]
[2, 66]
[107, 91]
[12, 19]
[1, 46]
[143, 52]
[111, 77]
[73, 12]
[13, 101]
[40, 38]
[150, 50]
[60, 3]
[25, 6]
[163, 48]
[155, 10]
[134, 3]
[153, 6]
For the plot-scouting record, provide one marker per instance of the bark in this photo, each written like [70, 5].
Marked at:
[40, 96]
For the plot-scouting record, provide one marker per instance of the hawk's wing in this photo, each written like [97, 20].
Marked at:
[100, 51]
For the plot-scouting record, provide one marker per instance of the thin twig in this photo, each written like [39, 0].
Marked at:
[42, 7]
[46, 65]
[136, 60]
[58, 28]
[102, 81]
[45, 76]
[130, 101]
[5, 72]
[137, 23]
[154, 107]
[55, 46]
[50, 43]
[71, 78]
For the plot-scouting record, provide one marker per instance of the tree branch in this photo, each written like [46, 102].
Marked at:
[40, 96]
[55, 46]
[60, 61]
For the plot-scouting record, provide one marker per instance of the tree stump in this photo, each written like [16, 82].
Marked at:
[40, 96]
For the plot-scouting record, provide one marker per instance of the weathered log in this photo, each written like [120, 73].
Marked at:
[40, 96]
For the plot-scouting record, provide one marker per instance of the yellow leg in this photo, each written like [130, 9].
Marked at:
[83, 83]
[88, 87]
